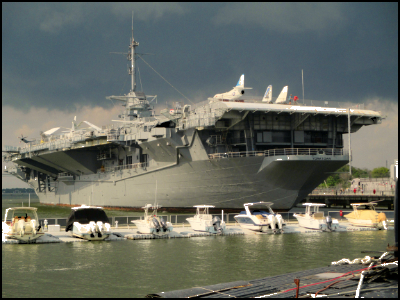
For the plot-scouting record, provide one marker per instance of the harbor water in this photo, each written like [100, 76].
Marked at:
[136, 268]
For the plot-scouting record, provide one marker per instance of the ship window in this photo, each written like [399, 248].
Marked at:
[129, 160]
[281, 136]
[315, 137]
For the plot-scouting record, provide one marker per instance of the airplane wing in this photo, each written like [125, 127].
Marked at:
[51, 131]
[93, 126]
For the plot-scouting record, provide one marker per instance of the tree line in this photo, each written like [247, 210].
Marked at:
[343, 178]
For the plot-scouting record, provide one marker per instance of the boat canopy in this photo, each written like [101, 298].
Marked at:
[259, 203]
[21, 212]
[18, 208]
[368, 204]
[203, 206]
[84, 216]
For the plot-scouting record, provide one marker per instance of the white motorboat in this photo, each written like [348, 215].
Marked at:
[21, 223]
[89, 223]
[260, 220]
[153, 224]
[367, 216]
[204, 221]
[314, 219]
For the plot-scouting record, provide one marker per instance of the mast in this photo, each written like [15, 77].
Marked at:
[131, 57]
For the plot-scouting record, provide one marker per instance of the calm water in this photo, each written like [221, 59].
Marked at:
[137, 268]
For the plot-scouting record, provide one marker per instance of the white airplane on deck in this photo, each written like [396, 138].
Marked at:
[235, 93]
[76, 127]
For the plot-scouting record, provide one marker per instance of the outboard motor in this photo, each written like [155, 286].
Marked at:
[279, 222]
[329, 223]
[156, 224]
[216, 221]
[163, 224]
[272, 222]
[92, 228]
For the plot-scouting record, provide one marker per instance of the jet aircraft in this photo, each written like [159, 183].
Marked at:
[235, 93]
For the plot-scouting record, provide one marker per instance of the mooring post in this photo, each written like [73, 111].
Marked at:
[297, 282]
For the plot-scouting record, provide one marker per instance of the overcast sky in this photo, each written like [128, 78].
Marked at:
[56, 60]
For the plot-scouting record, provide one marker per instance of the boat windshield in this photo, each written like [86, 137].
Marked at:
[364, 207]
[21, 214]
[256, 212]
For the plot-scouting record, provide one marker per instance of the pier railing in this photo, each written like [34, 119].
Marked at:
[283, 151]
[180, 220]
[349, 191]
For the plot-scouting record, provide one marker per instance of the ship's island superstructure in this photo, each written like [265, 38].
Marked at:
[218, 152]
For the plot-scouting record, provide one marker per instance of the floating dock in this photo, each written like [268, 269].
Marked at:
[180, 231]
[378, 281]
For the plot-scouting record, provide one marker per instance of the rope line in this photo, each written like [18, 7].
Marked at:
[165, 79]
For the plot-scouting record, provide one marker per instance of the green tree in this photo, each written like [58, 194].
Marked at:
[341, 178]
[380, 172]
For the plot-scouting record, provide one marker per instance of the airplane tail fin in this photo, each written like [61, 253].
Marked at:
[73, 124]
[268, 95]
[240, 83]
[282, 96]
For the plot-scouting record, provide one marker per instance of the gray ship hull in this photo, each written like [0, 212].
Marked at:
[224, 183]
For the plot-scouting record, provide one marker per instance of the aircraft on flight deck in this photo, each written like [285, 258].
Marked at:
[235, 93]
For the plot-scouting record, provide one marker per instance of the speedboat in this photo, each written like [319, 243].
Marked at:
[367, 216]
[88, 222]
[314, 219]
[260, 220]
[153, 224]
[204, 221]
[22, 223]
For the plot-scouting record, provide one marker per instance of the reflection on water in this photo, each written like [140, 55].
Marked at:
[136, 268]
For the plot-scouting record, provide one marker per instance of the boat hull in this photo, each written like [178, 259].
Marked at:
[96, 236]
[26, 238]
[248, 223]
[225, 183]
[147, 228]
[204, 226]
[318, 224]
[363, 223]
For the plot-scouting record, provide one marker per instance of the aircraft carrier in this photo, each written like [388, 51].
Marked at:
[224, 151]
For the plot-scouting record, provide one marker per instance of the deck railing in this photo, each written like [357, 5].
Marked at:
[335, 191]
[283, 151]
[124, 167]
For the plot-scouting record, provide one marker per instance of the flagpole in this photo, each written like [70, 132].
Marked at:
[302, 83]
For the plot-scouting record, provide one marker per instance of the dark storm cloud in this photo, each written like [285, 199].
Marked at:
[56, 60]
[57, 55]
